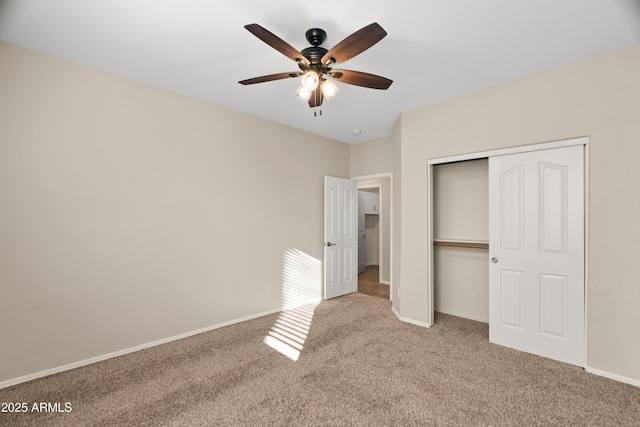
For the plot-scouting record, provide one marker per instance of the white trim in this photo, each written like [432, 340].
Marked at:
[612, 376]
[430, 252]
[47, 372]
[411, 321]
[464, 316]
[385, 282]
[583, 140]
[586, 251]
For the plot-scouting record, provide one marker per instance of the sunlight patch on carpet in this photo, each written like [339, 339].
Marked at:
[301, 294]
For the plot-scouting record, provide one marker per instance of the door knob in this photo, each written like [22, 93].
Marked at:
[494, 260]
[330, 244]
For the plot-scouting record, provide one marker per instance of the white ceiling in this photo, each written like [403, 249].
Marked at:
[435, 49]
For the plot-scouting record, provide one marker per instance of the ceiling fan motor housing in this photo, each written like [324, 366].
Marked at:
[314, 53]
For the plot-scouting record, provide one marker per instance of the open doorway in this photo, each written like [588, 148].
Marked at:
[374, 225]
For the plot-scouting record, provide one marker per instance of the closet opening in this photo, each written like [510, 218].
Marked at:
[461, 238]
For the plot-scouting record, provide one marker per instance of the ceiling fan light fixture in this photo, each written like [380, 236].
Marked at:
[303, 93]
[310, 80]
[329, 89]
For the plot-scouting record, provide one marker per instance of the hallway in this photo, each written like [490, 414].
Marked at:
[368, 283]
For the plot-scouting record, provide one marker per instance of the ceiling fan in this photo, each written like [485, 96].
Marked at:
[316, 62]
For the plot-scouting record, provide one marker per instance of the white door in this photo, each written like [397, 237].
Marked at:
[340, 237]
[536, 242]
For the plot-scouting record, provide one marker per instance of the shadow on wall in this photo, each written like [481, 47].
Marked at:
[301, 294]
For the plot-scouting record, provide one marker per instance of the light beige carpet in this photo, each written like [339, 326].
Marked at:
[359, 366]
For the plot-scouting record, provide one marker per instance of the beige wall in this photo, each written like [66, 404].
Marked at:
[598, 98]
[130, 214]
[371, 157]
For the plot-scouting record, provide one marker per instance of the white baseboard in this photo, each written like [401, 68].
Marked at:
[385, 282]
[47, 372]
[463, 315]
[407, 320]
[612, 376]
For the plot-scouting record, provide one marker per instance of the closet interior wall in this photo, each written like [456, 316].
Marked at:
[461, 215]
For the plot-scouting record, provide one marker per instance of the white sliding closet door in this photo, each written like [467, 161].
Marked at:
[536, 241]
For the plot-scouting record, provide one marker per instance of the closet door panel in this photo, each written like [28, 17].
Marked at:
[512, 209]
[511, 299]
[536, 205]
[553, 208]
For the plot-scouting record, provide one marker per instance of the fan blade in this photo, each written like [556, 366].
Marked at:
[270, 77]
[359, 78]
[356, 43]
[276, 42]
[316, 98]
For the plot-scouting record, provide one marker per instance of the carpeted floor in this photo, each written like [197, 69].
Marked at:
[359, 366]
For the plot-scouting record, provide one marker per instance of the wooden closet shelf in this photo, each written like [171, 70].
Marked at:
[469, 245]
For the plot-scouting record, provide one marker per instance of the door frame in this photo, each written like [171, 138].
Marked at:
[584, 141]
[359, 186]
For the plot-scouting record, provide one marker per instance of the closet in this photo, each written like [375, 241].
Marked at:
[508, 245]
[461, 237]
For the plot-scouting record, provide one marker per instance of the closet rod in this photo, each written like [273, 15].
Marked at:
[469, 245]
